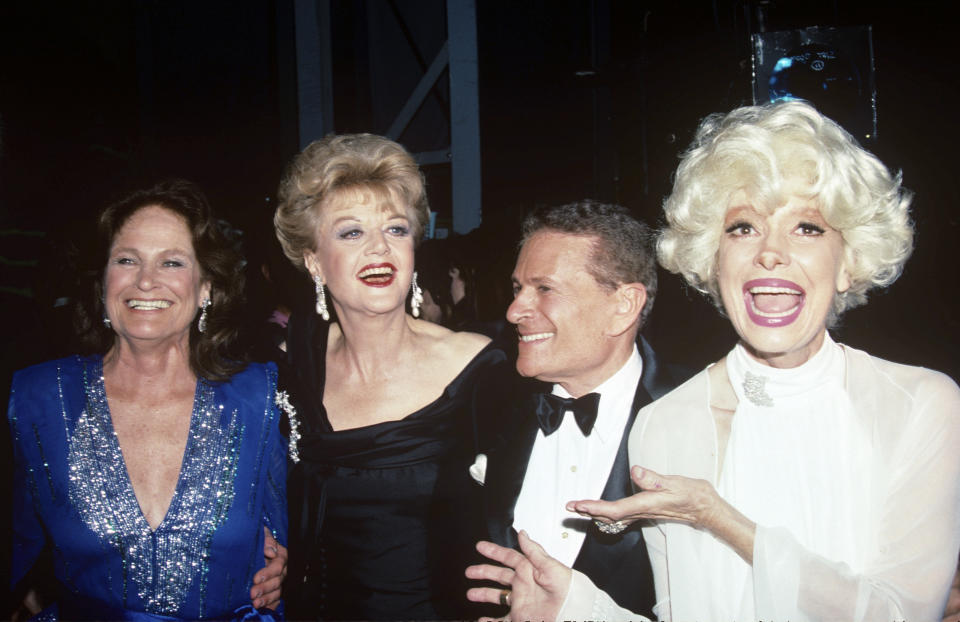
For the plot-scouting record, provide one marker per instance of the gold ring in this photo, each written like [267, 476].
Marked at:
[505, 598]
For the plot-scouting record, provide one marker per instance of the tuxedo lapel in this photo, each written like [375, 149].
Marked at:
[656, 378]
[619, 483]
[619, 564]
[597, 547]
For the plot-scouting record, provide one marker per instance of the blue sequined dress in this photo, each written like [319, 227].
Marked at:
[72, 491]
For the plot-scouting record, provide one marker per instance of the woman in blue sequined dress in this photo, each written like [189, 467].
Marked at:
[155, 472]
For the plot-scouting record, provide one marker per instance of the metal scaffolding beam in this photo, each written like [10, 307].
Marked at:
[464, 114]
[314, 69]
[458, 55]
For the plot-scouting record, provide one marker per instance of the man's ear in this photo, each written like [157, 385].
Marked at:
[629, 301]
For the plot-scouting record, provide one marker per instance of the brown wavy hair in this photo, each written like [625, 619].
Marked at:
[214, 354]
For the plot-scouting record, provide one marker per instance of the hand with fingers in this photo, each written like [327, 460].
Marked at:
[661, 497]
[675, 498]
[265, 591]
[536, 584]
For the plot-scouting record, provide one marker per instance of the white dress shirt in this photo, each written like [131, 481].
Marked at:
[568, 466]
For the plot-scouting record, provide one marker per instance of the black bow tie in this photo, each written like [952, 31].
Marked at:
[551, 408]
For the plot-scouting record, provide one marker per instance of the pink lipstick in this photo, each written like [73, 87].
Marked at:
[773, 302]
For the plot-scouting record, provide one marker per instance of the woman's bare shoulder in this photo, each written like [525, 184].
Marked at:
[454, 349]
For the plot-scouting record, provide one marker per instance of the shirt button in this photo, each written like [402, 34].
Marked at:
[564, 535]
[573, 468]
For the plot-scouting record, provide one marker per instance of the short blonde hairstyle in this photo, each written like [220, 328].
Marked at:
[758, 149]
[327, 169]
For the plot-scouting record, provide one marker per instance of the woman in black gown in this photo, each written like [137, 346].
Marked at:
[381, 405]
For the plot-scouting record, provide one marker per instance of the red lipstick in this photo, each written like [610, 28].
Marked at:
[377, 274]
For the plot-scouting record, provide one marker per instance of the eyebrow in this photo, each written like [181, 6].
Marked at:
[740, 208]
[353, 218]
[812, 210]
[536, 280]
[130, 249]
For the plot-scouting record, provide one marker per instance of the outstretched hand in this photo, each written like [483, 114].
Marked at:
[661, 497]
[676, 498]
[536, 584]
[265, 591]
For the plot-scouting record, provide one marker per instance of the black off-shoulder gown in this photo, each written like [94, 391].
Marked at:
[383, 517]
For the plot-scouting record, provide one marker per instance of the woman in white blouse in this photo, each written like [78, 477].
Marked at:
[796, 478]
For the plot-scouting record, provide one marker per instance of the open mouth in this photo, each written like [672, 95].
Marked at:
[534, 337]
[773, 302]
[379, 275]
[147, 305]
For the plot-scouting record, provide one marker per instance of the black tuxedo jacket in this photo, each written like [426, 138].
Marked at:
[617, 564]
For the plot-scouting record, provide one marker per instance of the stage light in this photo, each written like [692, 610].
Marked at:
[829, 67]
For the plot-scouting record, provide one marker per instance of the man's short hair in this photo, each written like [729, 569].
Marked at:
[623, 248]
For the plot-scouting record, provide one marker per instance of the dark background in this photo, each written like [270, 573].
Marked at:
[577, 99]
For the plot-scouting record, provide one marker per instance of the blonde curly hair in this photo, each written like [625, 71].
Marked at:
[326, 169]
[758, 149]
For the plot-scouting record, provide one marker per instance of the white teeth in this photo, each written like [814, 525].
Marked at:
[148, 304]
[772, 314]
[775, 290]
[375, 272]
[535, 337]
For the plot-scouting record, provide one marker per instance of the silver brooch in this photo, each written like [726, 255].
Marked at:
[282, 400]
[754, 389]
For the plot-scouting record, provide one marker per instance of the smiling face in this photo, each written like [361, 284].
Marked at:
[778, 274]
[571, 330]
[153, 284]
[364, 253]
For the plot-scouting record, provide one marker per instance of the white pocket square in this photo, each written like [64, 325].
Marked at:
[478, 470]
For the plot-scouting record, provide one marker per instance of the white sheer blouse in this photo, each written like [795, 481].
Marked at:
[853, 480]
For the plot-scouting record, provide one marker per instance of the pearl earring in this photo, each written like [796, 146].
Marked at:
[416, 296]
[321, 299]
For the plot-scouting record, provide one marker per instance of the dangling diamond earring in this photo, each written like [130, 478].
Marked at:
[106, 318]
[321, 299]
[416, 296]
[202, 324]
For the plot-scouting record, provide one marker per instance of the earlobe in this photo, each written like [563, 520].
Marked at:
[312, 265]
[848, 261]
[843, 282]
[843, 279]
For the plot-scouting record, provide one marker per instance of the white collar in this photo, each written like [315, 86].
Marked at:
[616, 398]
[765, 386]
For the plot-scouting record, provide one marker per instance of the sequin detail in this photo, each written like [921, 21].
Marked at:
[754, 387]
[282, 400]
[162, 565]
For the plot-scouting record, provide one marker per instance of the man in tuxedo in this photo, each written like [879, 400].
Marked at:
[584, 283]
